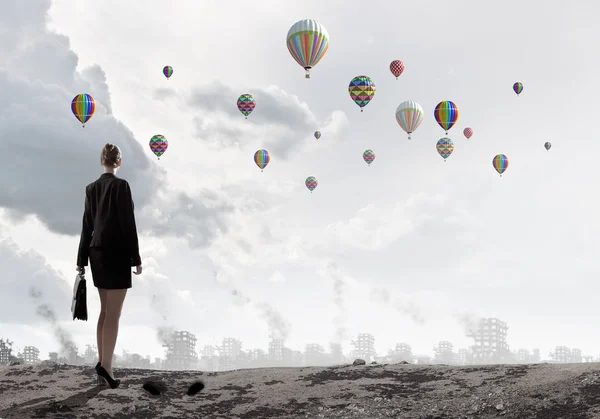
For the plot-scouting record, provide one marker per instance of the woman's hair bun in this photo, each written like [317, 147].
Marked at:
[110, 155]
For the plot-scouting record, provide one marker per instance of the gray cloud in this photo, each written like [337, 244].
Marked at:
[281, 123]
[20, 272]
[52, 157]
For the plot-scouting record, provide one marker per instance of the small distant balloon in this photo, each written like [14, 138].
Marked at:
[500, 163]
[409, 116]
[317, 134]
[446, 114]
[362, 90]
[246, 104]
[445, 147]
[83, 107]
[368, 156]
[311, 183]
[547, 146]
[158, 145]
[262, 158]
[397, 68]
[468, 133]
[518, 87]
[168, 71]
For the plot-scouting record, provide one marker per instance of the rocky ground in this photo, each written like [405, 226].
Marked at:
[540, 391]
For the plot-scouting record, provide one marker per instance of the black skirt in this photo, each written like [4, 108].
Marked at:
[111, 269]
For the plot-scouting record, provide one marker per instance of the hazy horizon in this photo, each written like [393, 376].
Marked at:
[409, 248]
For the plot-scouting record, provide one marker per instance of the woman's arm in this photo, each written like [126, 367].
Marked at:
[87, 229]
[127, 221]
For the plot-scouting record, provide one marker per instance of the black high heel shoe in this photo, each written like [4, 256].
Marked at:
[99, 380]
[104, 374]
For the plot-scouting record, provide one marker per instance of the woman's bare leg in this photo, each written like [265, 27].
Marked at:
[114, 305]
[101, 318]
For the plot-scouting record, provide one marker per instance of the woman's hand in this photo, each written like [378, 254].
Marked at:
[138, 270]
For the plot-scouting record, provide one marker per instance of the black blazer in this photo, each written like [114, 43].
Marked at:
[108, 219]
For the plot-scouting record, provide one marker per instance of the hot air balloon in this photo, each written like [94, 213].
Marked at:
[262, 158]
[317, 134]
[547, 146]
[311, 183]
[446, 114]
[83, 107]
[397, 67]
[246, 104]
[362, 90]
[168, 71]
[468, 132]
[409, 116]
[158, 145]
[518, 87]
[368, 156]
[308, 42]
[445, 147]
[500, 163]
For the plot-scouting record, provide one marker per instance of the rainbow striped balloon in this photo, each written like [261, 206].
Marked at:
[368, 157]
[311, 183]
[307, 42]
[500, 163]
[262, 158]
[362, 90]
[409, 116]
[518, 87]
[83, 107]
[445, 147]
[446, 114]
[158, 145]
[168, 71]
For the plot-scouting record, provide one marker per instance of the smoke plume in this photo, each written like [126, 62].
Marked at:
[333, 273]
[407, 308]
[46, 312]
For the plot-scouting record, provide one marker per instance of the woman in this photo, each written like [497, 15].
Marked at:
[109, 239]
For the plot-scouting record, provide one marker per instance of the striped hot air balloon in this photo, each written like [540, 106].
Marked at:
[518, 87]
[500, 163]
[468, 132]
[307, 42]
[446, 114]
[409, 116]
[547, 146]
[168, 71]
[262, 158]
[317, 134]
[397, 68]
[83, 107]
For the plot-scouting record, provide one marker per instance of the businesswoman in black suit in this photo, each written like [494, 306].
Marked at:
[109, 240]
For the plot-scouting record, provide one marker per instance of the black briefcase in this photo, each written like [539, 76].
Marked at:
[79, 303]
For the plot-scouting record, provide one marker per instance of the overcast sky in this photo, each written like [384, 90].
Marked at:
[401, 249]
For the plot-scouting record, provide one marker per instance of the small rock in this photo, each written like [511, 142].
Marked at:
[499, 406]
[403, 362]
[359, 361]
[373, 363]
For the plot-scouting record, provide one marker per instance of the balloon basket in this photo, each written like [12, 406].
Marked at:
[362, 110]
[396, 78]
[246, 117]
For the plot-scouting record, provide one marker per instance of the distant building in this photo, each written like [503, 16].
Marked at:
[364, 347]
[5, 351]
[181, 351]
[490, 342]
[31, 355]
[444, 353]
